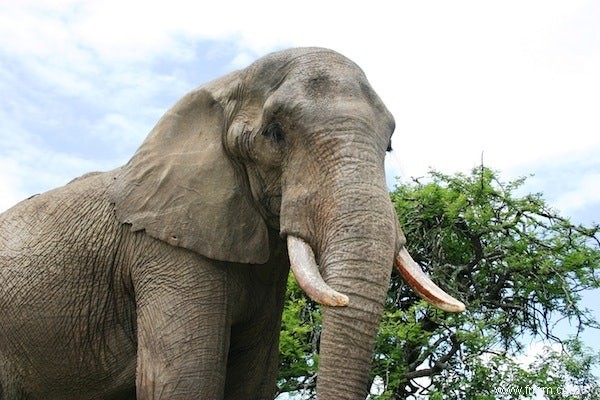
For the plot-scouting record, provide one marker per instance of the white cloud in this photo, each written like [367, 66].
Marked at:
[534, 351]
[586, 192]
[515, 80]
[494, 84]
[10, 185]
[570, 183]
[30, 168]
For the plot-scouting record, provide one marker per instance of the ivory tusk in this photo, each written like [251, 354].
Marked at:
[423, 286]
[306, 272]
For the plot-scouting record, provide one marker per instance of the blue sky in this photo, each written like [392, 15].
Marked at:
[83, 82]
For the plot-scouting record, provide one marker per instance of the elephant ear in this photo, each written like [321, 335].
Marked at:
[182, 188]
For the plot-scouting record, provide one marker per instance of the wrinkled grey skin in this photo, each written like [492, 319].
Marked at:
[166, 277]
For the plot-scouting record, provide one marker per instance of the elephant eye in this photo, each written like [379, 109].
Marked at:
[274, 132]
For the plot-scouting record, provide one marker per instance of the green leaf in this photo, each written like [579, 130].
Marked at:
[518, 265]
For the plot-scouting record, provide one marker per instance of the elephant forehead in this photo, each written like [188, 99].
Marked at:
[317, 92]
[328, 79]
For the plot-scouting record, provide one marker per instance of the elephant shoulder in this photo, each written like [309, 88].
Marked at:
[87, 176]
[82, 200]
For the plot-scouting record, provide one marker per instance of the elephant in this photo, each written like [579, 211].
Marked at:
[165, 278]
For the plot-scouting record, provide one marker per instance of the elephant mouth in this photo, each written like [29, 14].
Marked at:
[306, 272]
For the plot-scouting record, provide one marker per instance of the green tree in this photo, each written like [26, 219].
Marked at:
[298, 342]
[520, 268]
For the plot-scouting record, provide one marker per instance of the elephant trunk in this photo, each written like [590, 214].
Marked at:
[356, 259]
[347, 226]
[355, 249]
[358, 247]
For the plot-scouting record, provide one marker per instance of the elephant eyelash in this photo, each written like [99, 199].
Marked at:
[274, 132]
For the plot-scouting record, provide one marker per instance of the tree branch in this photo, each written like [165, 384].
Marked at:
[438, 365]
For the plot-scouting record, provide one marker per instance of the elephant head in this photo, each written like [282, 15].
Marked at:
[294, 143]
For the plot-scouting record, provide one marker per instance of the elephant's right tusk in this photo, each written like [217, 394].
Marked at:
[423, 286]
[306, 271]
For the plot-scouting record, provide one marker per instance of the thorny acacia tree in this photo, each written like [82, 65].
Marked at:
[520, 268]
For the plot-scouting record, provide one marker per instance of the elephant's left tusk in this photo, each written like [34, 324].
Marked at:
[423, 286]
[306, 271]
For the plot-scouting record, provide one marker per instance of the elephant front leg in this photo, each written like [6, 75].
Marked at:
[180, 372]
[252, 364]
[183, 333]
[254, 350]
